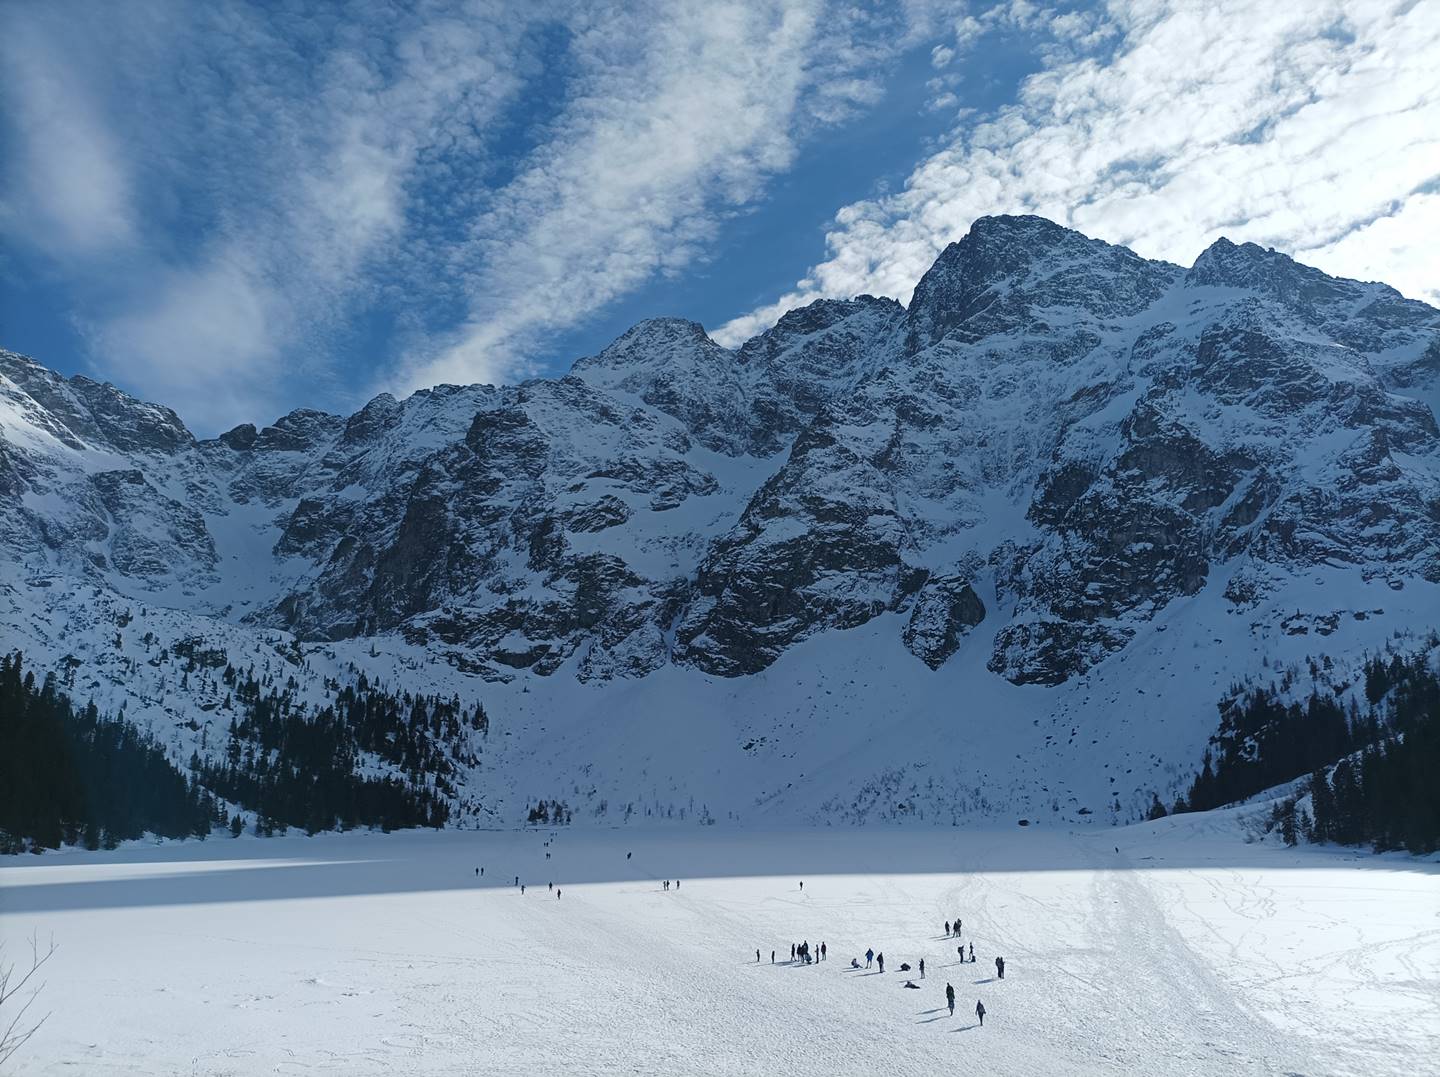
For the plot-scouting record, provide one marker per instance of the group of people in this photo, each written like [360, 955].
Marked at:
[667, 884]
[803, 952]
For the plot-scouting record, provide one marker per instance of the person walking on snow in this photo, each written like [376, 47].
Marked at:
[922, 968]
[522, 888]
[792, 951]
[947, 929]
[869, 957]
[757, 957]
[557, 895]
[772, 957]
[950, 999]
[972, 952]
[980, 1011]
[1000, 967]
[822, 951]
[550, 886]
[880, 960]
[802, 884]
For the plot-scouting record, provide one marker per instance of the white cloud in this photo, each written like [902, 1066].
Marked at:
[1313, 128]
[673, 122]
[67, 183]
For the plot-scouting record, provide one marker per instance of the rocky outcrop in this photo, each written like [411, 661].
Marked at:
[1087, 435]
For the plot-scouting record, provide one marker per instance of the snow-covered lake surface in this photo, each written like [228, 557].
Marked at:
[1185, 952]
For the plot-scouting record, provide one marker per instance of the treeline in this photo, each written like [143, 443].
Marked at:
[1372, 772]
[299, 767]
[555, 812]
[71, 776]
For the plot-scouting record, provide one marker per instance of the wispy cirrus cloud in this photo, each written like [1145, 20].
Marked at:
[228, 188]
[1314, 128]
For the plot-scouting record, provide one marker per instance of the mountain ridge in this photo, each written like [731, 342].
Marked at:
[1021, 478]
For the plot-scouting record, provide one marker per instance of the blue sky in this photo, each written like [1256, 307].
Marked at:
[237, 209]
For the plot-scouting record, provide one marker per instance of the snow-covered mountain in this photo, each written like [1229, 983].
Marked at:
[997, 553]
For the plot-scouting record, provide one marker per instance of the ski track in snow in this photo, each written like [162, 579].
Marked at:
[1188, 952]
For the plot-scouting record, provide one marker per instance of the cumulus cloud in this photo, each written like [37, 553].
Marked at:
[1313, 128]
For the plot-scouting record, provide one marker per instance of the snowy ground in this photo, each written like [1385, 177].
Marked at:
[1185, 952]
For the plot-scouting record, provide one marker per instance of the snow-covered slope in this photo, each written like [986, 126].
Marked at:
[1000, 552]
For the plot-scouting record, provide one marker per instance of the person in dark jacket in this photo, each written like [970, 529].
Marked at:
[822, 951]
[757, 957]
[922, 968]
[792, 951]
[869, 957]
[947, 928]
[1000, 967]
[980, 1011]
[950, 999]
[880, 960]
[972, 952]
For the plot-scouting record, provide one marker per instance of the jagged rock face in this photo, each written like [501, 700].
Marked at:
[945, 610]
[1057, 439]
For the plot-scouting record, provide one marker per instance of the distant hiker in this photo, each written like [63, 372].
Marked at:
[869, 957]
[912, 984]
[517, 880]
[772, 957]
[922, 968]
[522, 888]
[677, 884]
[792, 951]
[1000, 967]
[947, 928]
[802, 884]
[854, 962]
[880, 960]
[972, 952]
[757, 957]
[629, 855]
[980, 1011]
[822, 951]
[547, 856]
[961, 951]
[905, 966]
[959, 924]
[550, 886]
[482, 873]
[950, 999]
[557, 895]
[477, 873]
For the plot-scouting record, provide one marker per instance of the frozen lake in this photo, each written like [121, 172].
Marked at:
[1185, 952]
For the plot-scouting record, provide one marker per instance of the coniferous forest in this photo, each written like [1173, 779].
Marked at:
[1372, 770]
[366, 757]
[72, 776]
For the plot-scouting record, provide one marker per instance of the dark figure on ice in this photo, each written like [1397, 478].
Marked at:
[961, 951]
[972, 952]
[912, 984]
[922, 968]
[880, 960]
[677, 884]
[477, 873]
[854, 962]
[1000, 967]
[772, 957]
[522, 888]
[757, 957]
[950, 999]
[980, 1011]
[905, 966]
[557, 895]
[947, 928]
[550, 886]
[792, 951]
[822, 951]
[667, 884]
[869, 957]
[802, 884]
[629, 855]
[517, 880]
